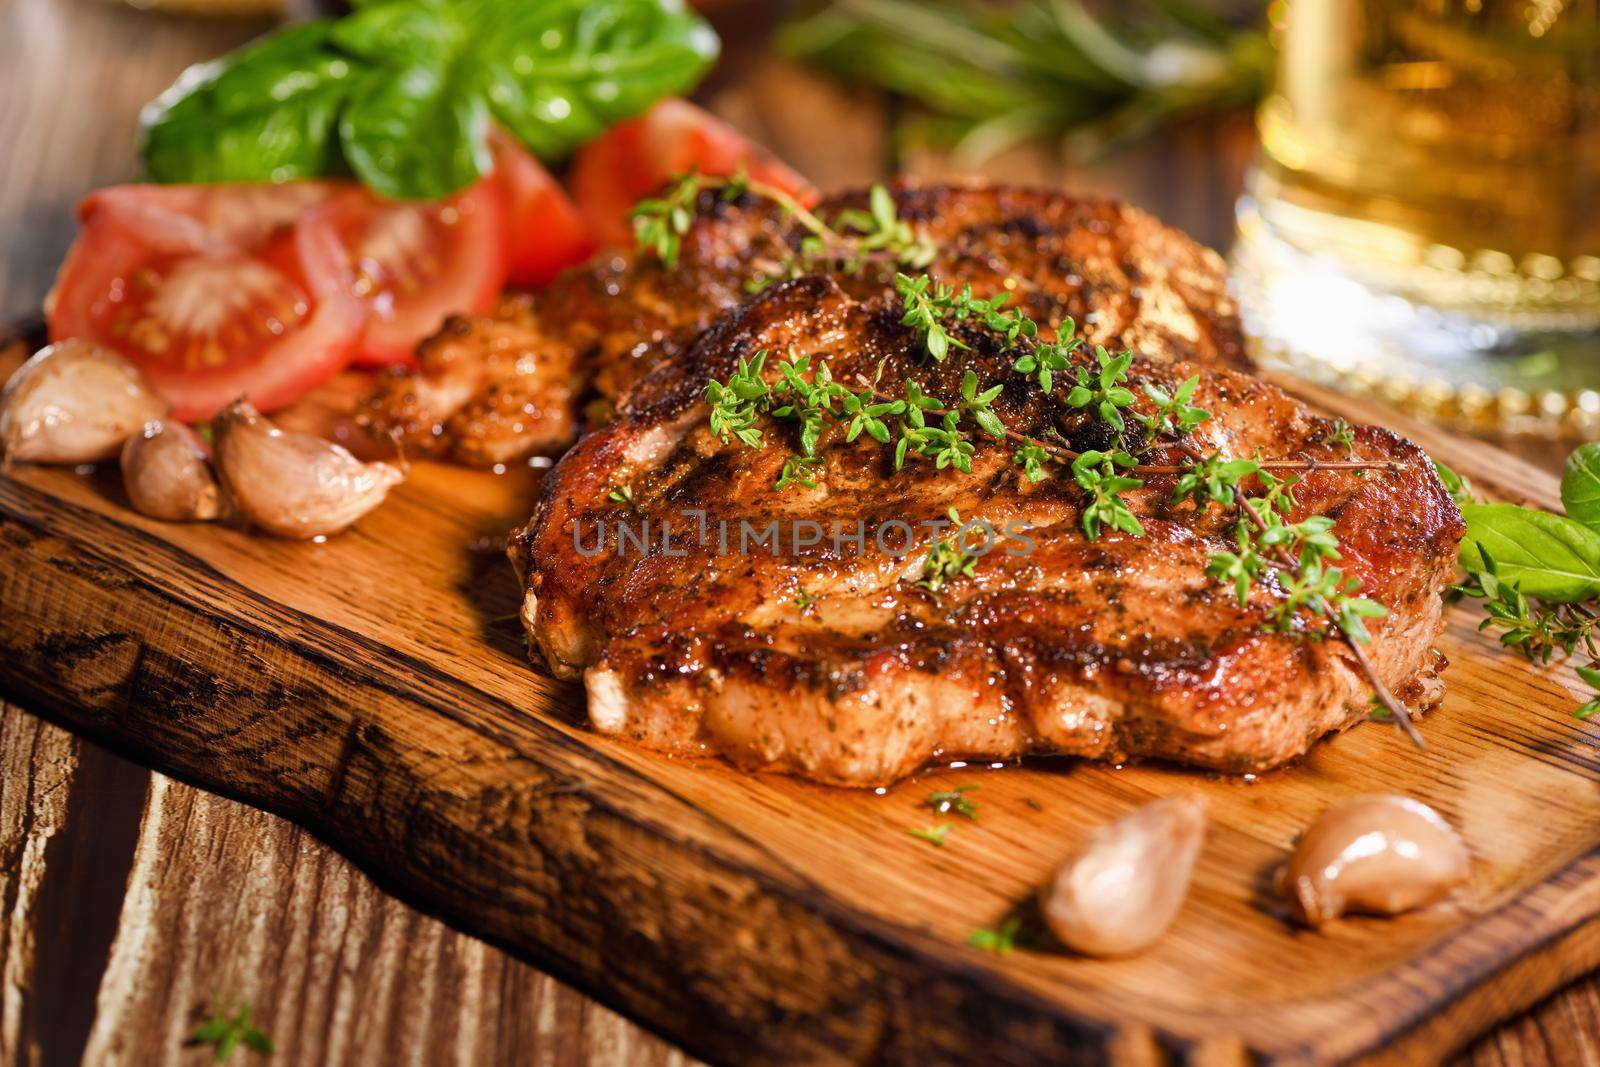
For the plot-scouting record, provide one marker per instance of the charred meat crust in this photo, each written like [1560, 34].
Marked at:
[495, 388]
[830, 662]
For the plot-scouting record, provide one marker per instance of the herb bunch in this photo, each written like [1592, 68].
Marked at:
[994, 75]
[1538, 574]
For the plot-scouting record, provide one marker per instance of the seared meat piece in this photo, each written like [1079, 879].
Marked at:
[829, 660]
[495, 388]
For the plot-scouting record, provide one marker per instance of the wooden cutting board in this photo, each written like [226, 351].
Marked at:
[375, 688]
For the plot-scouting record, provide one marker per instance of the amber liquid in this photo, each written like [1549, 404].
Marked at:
[1445, 150]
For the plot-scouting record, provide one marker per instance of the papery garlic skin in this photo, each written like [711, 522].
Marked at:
[290, 484]
[74, 402]
[1121, 889]
[167, 474]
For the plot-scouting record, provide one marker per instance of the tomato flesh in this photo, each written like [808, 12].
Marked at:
[412, 264]
[545, 233]
[634, 158]
[208, 314]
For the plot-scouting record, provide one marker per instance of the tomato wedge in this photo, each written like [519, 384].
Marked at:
[179, 280]
[412, 264]
[545, 234]
[634, 158]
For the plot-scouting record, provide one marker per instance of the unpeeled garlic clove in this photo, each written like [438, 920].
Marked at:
[292, 484]
[74, 402]
[1380, 854]
[1119, 891]
[168, 475]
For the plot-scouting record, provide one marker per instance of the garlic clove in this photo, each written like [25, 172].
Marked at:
[74, 402]
[292, 484]
[1121, 889]
[167, 474]
[1381, 855]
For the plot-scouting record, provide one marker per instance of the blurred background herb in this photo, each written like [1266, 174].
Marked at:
[993, 75]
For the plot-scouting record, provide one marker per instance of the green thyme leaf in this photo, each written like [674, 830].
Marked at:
[954, 802]
[1459, 488]
[1342, 435]
[1591, 676]
[947, 560]
[225, 1031]
[934, 835]
[999, 940]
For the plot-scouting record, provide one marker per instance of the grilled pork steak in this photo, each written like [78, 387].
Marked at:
[494, 388]
[825, 658]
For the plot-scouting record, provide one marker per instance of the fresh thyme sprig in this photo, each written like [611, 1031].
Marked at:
[1397, 711]
[1100, 389]
[1174, 416]
[947, 560]
[1000, 939]
[1342, 435]
[1536, 629]
[226, 1031]
[808, 395]
[1540, 630]
[1101, 474]
[954, 802]
[879, 229]
[660, 223]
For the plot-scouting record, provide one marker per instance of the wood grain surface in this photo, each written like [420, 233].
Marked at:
[152, 898]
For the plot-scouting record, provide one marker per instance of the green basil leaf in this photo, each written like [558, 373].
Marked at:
[1543, 555]
[559, 72]
[417, 132]
[400, 32]
[266, 113]
[1580, 485]
[402, 91]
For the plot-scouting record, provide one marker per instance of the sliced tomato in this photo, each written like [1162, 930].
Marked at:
[199, 308]
[545, 234]
[412, 264]
[634, 158]
[240, 216]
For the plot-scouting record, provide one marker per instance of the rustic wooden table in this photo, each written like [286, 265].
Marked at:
[129, 901]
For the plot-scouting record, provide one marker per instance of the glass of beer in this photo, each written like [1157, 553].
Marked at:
[1424, 223]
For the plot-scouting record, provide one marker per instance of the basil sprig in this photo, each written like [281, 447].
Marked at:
[402, 92]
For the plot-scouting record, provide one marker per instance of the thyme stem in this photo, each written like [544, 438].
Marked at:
[1402, 715]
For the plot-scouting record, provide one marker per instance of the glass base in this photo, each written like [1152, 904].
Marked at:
[1306, 312]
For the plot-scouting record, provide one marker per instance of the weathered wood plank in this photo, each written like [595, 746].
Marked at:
[37, 762]
[229, 904]
[224, 903]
